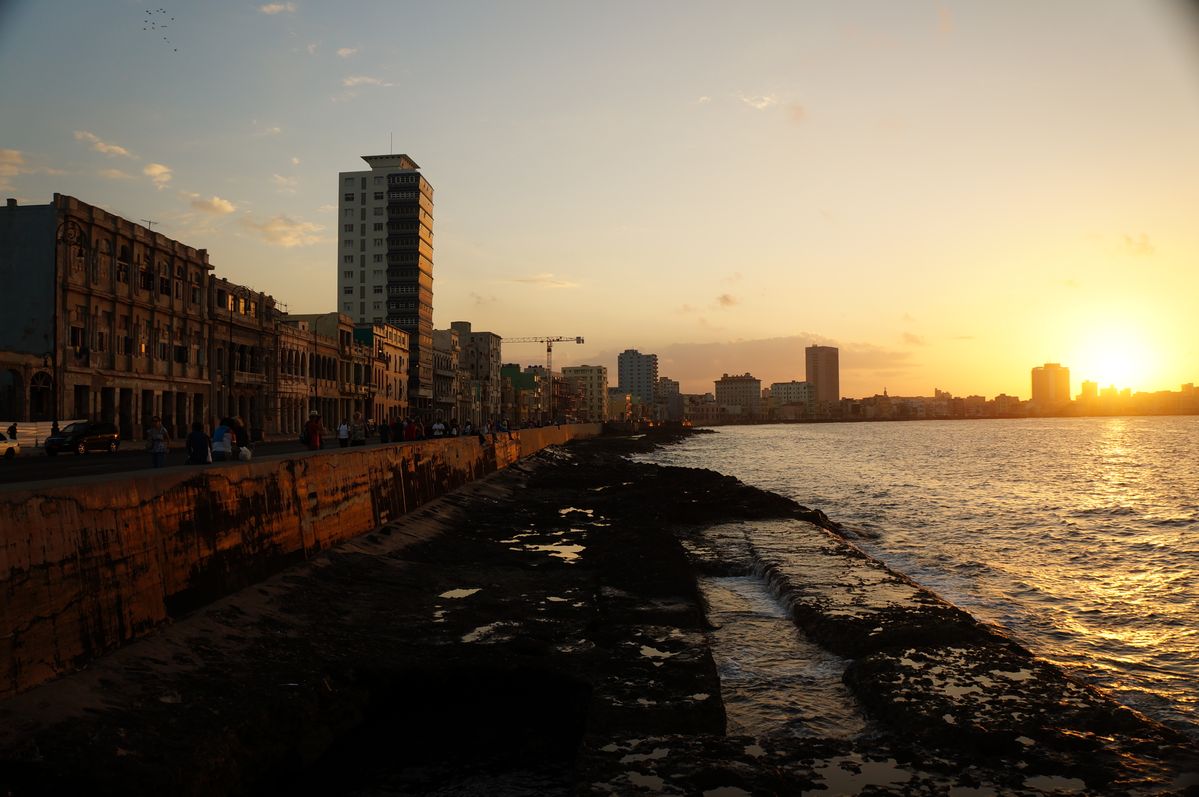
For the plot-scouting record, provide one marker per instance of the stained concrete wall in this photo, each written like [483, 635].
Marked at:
[89, 564]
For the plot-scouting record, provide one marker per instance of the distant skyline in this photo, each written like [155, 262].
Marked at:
[949, 192]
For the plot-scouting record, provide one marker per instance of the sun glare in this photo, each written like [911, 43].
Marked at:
[1113, 357]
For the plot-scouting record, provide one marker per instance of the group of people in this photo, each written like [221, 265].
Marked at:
[354, 432]
[230, 440]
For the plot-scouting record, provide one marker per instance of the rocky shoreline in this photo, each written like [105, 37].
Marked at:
[542, 631]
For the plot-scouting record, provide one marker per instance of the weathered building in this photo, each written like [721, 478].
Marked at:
[244, 342]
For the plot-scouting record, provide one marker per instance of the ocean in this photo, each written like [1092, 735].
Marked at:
[1080, 536]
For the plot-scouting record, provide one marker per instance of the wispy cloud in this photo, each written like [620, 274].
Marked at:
[704, 100]
[912, 339]
[545, 281]
[295, 161]
[285, 184]
[347, 52]
[214, 205]
[278, 8]
[328, 207]
[1139, 245]
[284, 231]
[115, 174]
[159, 173]
[760, 102]
[726, 300]
[363, 80]
[101, 146]
[480, 300]
[12, 163]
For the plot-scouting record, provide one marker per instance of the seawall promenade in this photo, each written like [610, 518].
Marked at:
[89, 564]
[542, 631]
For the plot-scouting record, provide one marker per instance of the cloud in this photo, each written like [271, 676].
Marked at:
[278, 8]
[100, 146]
[347, 52]
[760, 102]
[12, 163]
[704, 100]
[912, 339]
[797, 112]
[363, 80]
[115, 174]
[685, 309]
[328, 207]
[295, 161]
[544, 281]
[480, 300]
[1140, 246]
[312, 46]
[726, 300]
[215, 205]
[286, 184]
[283, 231]
[160, 174]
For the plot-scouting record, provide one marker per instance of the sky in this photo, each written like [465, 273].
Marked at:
[950, 192]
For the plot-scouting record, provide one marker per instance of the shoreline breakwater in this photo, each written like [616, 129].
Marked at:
[542, 630]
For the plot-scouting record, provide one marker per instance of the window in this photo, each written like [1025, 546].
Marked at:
[348, 213]
[377, 289]
[349, 197]
[377, 273]
[181, 355]
[378, 180]
[377, 306]
[380, 211]
[377, 258]
[77, 338]
[378, 242]
[348, 307]
[349, 227]
[347, 244]
[195, 294]
[378, 195]
[164, 350]
[378, 226]
[349, 290]
[122, 272]
[348, 274]
[349, 181]
[347, 259]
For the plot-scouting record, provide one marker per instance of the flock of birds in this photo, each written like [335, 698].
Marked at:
[157, 21]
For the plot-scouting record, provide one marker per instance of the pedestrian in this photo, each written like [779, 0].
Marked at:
[384, 432]
[312, 431]
[222, 441]
[157, 439]
[199, 447]
[438, 428]
[54, 428]
[357, 431]
[237, 428]
[343, 434]
[12, 431]
[397, 430]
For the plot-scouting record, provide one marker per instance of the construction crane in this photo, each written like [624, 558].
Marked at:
[549, 341]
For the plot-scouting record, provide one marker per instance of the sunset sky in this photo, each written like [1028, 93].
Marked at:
[950, 192]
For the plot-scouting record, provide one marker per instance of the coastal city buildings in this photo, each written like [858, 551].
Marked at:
[637, 374]
[1050, 386]
[740, 395]
[822, 370]
[385, 259]
[481, 363]
[592, 384]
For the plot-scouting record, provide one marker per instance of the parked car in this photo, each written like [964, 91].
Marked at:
[9, 447]
[84, 436]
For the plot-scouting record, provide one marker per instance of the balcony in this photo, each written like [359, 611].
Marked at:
[248, 378]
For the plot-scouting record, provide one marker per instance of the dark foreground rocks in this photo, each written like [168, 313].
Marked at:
[541, 632]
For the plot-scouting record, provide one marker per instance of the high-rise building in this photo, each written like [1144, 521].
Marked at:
[740, 395]
[385, 259]
[480, 359]
[1050, 385]
[823, 372]
[637, 374]
[592, 381]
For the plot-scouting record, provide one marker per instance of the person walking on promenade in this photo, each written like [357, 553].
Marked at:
[384, 432]
[239, 438]
[397, 430]
[312, 431]
[12, 431]
[343, 434]
[222, 441]
[199, 447]
[157, 439]
[357, 431]
[438, 428]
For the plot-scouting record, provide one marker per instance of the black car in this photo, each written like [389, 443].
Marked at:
[84, 436]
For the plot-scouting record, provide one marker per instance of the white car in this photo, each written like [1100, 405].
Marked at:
[9, 448]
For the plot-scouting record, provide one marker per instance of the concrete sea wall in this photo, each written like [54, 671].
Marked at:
[89, 564]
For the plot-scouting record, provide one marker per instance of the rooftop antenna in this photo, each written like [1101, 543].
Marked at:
[149, 224]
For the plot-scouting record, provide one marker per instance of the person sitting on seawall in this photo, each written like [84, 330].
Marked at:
[199, 447]
[343, 433]
[438, 428]
[357, 431]
[222, 439]
[240, 438]
[157, 439]
[312, 431]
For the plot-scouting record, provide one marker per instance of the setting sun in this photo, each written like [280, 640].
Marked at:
[1118, 356]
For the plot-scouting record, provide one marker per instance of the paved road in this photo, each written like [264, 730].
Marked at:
[34, 465]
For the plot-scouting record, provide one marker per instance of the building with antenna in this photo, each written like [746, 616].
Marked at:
[385, 259]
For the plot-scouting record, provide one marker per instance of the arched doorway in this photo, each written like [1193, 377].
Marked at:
[12, 396]
[41, 397]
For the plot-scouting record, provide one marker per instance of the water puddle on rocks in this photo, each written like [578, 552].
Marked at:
[772, 679]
